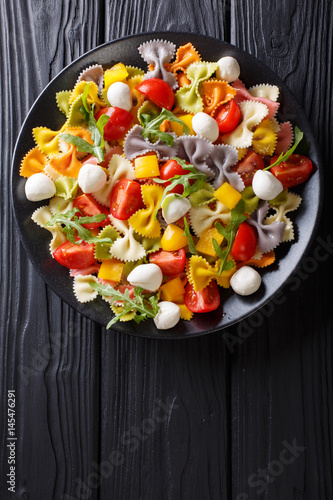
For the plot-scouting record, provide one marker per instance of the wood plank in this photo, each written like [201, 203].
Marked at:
[49, 354]
[282, 375]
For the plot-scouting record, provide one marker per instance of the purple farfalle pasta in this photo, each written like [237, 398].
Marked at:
[157, 53]
[94, 74]
[196, 150]
[135, 145]
[220, 161]
[269, 235]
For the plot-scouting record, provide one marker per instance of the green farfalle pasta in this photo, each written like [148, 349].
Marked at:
[66, 187]
[188, 97]
[280, 198]
[62, 99]
[102, 250]
[203, 196]
[250, 200]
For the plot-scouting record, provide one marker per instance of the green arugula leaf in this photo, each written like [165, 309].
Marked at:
[184, 180]
[188, 235]
[151, 123]
[229, 232]
[73, 226]
[285, 156]
[96, 129]
[144, 307]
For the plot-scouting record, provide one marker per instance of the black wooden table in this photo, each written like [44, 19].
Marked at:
[107, 416]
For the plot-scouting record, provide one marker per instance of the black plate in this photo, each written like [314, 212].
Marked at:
[235, 308]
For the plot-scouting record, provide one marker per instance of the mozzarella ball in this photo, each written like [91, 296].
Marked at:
[173, 208]
[91, 178]
[39, 187]
[228, 69]
[147, 276]
[265, 185]
[245, 281]
[205, 126]
[120, 96]
[167, 316]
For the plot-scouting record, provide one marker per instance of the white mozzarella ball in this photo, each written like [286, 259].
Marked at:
[265, 185]
[167, 316]
[147, 276]
[205, 126]
[39, 187]
[91, 178]
[228, 69]
[120, 96]
[173, 208]
[245, 281]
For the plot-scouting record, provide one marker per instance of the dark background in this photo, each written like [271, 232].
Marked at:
[240, 414]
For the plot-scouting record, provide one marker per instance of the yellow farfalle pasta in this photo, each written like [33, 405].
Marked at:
[264, 138]
[143, 221]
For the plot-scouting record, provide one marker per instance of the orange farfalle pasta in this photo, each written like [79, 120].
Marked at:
[186, 55]
[215, 93]
[265, 260]
[78, 132]
[33, 163]
[67, 163]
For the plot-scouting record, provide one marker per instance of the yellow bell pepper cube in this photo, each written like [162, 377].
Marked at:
[146, 166]
[118, 73]
[172, 290]
[177, 128]
[173, 238]
[205, 243]
[227, 195]
[111, 270]
[224, 279]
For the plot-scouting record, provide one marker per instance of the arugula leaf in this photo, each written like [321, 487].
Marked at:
[96, 130]
[188, 235]
[72, 223]
[229, 232]
[285, 156]
[184, 180]
[144, 307]
[151, 123]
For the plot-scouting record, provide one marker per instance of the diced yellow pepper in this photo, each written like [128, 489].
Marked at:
[224, 278]
[111, 269]
[173, 238]
[228, 195]
[146, 166]
[118, 73]
[172, 289]
[205, 243]
[178, 129]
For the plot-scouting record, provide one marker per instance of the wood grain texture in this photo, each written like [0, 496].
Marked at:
[101, 415]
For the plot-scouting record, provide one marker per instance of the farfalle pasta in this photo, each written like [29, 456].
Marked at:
[158, 201]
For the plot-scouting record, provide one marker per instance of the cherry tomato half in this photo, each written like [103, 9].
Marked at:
[75, 256]
[88, 207]
[248, 166]
[118, 123]
[293, 171]
[169, 170]
[157, 91]
[245, 243]
[206, 300]
[228, 117]
[170, 263]
[126, 199]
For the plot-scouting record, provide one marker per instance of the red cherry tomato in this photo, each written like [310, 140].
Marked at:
[88, 207]
[206, 300]
[75, 256]
[157, 91]
[126, 199]
[118, 123]
[170, 263]
[248, 166]
[228, 117]
[293, 171]
[169, 170]
[245, 243]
